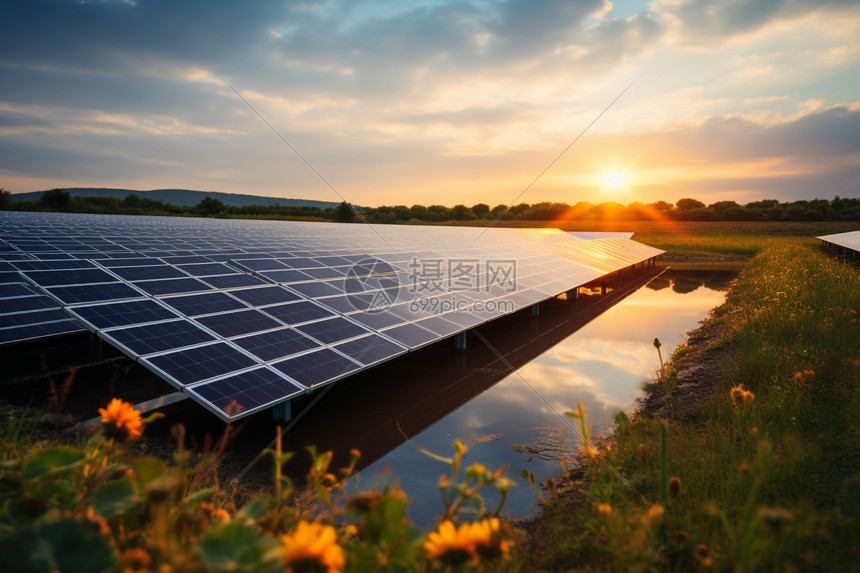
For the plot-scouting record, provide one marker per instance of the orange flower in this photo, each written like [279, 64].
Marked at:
[120, 421]
[450, 545]
[488, 539]
[312, 547]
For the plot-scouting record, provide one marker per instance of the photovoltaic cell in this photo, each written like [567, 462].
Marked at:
[246, 391]
[298, 312]
[316, 367]
[207, 269]
[332, 330]
[32, 317]
[93, 293]
[411, 335]
[275, 343]
[160, 336]
[123, 313]
[201, 362]
[69, 277]
[239, 322]
[264, 295]
[286, 276]
[15, 289]
[233, 281]
[370, 349]
[44, 330]
[148, 273]
[315, 289]
[26, 303]
[205, 303]
[172, 286]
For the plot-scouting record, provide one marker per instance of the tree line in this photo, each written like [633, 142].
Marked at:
[687, 209]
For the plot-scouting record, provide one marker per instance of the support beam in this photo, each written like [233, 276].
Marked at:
[282, 412]
[460, 341]
[535, 310]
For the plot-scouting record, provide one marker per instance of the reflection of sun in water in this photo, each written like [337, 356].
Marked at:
[615, 180]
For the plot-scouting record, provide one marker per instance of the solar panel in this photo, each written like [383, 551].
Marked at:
[371, 349]
[233, 281]
[93, 293]
[205, 303]
[298, 312]
[332, 330]
[160, 336]
[43, 330]
[200, 363]
[123, 313]
[317, 367]
[245, 392]
[275, 344]
[238, 322]
[201, 299]
[172, 286]
[265, 295]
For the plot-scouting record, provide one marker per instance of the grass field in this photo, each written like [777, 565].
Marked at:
[765, 473]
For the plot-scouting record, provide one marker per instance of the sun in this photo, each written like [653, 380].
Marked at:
[615, 180]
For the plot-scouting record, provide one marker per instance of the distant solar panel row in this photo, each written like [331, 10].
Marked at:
[242, 315]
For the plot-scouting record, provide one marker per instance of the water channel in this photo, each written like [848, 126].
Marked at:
[599, 349]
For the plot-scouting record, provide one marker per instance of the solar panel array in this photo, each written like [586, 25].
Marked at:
[242, 315]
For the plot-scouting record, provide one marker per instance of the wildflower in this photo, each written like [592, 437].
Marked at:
[135, 560]
[741, 398]
[450, 545]
[681, 537]
[704, 555]
[604, 509]
[675, 487]
[312, 547]
[216, 513]
[96, 523]
[120, 421]
[801, 378]
[363, 502]
[488, 539]
[655, 512]
[476, 471]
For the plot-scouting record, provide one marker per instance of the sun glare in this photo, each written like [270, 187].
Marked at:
[615, 180]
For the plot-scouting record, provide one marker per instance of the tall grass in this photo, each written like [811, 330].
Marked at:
[770, 478]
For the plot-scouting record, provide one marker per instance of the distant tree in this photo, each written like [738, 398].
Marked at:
[763, 204]
[344, 214]
[498, 210]
[55, 200]
[481, 209]
[209, 207]
[661, 206]
[418, 212]
[461, 213]
[686, 204]
[5, 199]
[132, 201]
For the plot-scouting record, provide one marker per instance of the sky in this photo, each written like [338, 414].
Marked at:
[433, 101]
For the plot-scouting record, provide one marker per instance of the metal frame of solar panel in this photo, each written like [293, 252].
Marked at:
[242, 315]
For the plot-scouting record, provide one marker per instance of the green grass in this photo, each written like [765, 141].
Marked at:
[771, 486]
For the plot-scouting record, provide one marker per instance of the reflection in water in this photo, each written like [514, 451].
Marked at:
[604, 363]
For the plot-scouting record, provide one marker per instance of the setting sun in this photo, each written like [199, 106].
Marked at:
[615, 180]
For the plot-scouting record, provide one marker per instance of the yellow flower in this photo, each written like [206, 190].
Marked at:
[655, 513]
[488, 539]
[604, 509]
[120, 421]
[312, 547]
[451, 545]
[740, 397]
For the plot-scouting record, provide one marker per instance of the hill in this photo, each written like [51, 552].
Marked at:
[183, 197]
